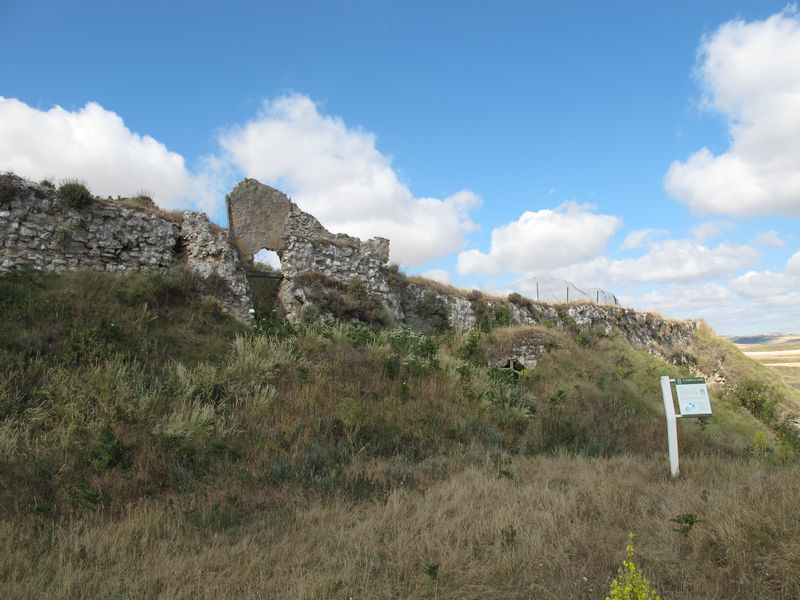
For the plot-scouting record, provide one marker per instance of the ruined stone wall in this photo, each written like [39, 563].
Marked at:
[39, 231]
[260, 216]
[209, 252]
[645, 331]
[263, 217]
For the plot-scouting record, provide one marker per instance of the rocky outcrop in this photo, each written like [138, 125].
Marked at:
[39, 231]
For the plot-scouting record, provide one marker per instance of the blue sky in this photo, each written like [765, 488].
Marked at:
[646, 148]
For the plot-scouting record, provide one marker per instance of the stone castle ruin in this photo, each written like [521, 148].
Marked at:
[40, 231]
[322, 276]
[261, 217]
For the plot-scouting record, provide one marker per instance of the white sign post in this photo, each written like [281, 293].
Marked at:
[693, 402]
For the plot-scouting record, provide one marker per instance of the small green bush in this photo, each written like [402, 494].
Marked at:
[433, 308]
[144, 200]
[74, 193]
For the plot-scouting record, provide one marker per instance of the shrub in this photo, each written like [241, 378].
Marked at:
[396, 279]
[433, 308]
[144, 200]
[501, 316]
[350, 301]
[74, 193]
[758, 397]
[630, 583]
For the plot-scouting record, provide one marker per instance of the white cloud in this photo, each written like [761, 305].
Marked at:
[678, 299]
[439, 275]
[683, 260]
[757, 285]
[590, 272]
[641, 237]
[709, 229]
[793, 264]
[542, 240]
[93, 144]
[770, 239]
[337, 174]
[750, 72]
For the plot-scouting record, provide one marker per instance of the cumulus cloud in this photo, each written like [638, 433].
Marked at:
[684, 261]
[677, 299]
[750, 72]
[439, 275]
[337, 174]
[793, 264]
[542, 240]
[95, 145]
[770, 239]
[641, 237]
[754, 285]
[708, 230]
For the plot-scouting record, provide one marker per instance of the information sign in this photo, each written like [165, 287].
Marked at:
[693, 397]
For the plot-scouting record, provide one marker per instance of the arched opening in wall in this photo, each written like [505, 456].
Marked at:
[265, 282]
[267, 260]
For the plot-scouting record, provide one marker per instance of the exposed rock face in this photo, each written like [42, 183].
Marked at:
[262, 217]
[39, 231]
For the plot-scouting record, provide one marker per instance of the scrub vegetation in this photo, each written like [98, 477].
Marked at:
[152, 446]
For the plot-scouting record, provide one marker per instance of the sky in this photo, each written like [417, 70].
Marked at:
[649, 149]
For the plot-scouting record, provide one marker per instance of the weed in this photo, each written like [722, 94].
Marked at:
[685, 523]
[759, 398]
[760, 446]
[432, 571]
[508, 536]
[107, 451]
[74, 193]
[630, 583]
[433, 309]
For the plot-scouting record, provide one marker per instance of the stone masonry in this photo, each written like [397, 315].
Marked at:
[260, 216]
[39, 231]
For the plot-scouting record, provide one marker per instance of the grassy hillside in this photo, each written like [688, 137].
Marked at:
[151, 446]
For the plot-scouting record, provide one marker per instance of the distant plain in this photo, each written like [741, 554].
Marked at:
[780, 352]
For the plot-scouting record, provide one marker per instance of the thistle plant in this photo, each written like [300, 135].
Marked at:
[630, 583]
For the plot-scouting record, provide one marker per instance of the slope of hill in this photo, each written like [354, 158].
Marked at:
[150, 445]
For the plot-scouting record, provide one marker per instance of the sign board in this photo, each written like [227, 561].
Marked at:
[693, 397]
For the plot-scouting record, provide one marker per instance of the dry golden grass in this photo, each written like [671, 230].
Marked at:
[346, 461]
[556, 530]
[146, 203]
[451, 290]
